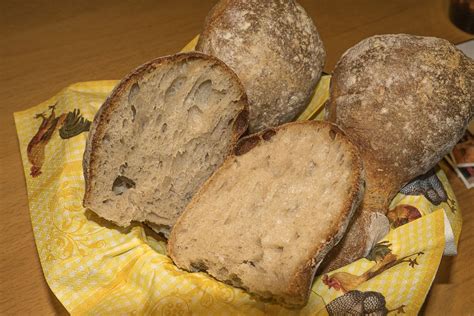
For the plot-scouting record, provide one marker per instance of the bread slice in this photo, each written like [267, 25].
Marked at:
[270, 213]
[163, 131]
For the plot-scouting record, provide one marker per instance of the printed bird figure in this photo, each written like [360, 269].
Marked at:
[430, 187]
[361, 303]
[69, 125]
[402, 214]
[384, 260]
[345, 282]
[37, 144]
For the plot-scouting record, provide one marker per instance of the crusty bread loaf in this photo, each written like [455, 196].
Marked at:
[267, 217]
[405, 101]
[163, 131]
[274, 48]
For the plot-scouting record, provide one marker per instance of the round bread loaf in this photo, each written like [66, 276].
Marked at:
[405, 101]
[274, 48]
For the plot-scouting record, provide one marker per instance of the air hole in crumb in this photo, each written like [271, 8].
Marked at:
[122, 184]
[174, 87]
[199, 266]
[158, 119]
[134, 113]
[203, 92]
[106, 201]
[249, 262]
[332, 134]
[164, 128]
[311, 167]
[133, 91]
[123, 167]
[195, 117]
[143, 121]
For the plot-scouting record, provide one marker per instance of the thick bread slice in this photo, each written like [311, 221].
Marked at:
[268, 216]
[163, 131]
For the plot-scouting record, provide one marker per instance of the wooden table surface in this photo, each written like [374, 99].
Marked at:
[47, 45]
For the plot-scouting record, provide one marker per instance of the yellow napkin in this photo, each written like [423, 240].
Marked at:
[94, 268]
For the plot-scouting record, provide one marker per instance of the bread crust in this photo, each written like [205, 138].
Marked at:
[298, 291]
[405, 100]
[102, 117]
[275, 49]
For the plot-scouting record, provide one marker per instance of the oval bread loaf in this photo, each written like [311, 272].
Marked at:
[268, 216]
[405, 101]
[274, 48]
[163, 131]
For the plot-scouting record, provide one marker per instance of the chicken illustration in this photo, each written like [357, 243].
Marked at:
[384, 258]
[361, 303]
[69, 125]
[402, 214]
[355, 302]
[346, 282]
[430, 187]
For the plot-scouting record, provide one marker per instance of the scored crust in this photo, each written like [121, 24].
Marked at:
[298, 289]
[103, 116]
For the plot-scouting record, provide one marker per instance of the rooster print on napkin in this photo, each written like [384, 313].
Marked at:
[354, 302]
[69, 125]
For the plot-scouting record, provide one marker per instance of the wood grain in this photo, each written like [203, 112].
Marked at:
[47, 45]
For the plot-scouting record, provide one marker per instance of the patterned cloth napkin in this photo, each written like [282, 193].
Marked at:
[95, 268]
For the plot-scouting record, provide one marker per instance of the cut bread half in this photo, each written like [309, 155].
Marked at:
[163, 131]
[268, 216]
